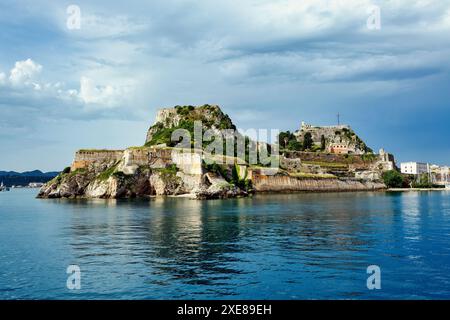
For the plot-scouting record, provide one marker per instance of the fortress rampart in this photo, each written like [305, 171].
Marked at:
[84, 158]
[132, 158]
[355, 159]
[285, 183]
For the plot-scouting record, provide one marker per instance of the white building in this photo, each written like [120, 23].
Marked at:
[414, 168]
[35, 184]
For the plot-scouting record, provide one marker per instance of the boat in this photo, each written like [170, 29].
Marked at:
[3, 187]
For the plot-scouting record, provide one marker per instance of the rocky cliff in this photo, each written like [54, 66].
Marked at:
[183, 117]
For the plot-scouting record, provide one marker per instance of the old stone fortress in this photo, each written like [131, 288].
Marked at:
[335, 143]
[337, 160]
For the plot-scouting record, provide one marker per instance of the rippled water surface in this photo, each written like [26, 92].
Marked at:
[294, 246]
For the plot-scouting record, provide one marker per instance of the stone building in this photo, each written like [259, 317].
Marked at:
[339, 139]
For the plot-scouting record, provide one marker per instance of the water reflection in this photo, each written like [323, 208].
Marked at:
[213, 248]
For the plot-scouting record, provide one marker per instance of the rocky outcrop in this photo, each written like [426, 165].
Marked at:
[184, 117]
[140, 172]
[217, 187]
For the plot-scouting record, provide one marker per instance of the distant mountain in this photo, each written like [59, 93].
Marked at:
[10, 178]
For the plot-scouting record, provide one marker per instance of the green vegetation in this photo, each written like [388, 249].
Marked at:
[169, 174]
[236, 177]
[184, 110]
[66, 173]
[217, 169]
[422, 181]
[294, 145]
[169, 170]
[393, 179]
[210, 116]
[322, 143]
[160, 135]
[77, 172]
[107, 173]
[361, 144]
[350, 135]
[316, 148]
[240, 181]
[349, 158]
[58, 179]
[368, 157]
[307, 141]
[288, 141]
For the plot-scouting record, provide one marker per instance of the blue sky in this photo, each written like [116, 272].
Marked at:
[268, 64]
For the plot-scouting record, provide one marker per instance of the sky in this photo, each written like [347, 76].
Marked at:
[92, 74]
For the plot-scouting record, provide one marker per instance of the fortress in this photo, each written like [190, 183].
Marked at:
[338, 161]
[339, 139]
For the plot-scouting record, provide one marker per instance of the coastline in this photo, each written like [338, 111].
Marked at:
[416, 189]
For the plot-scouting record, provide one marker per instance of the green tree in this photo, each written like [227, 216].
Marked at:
[422, 181]
[322, 143]
[287, 140]
[283, 135]
[307, 141]
[294, 145]
[393, 179]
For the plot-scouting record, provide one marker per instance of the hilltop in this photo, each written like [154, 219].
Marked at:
[183, 117]
[338, 139]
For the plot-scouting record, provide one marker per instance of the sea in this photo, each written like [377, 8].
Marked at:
[355, 245]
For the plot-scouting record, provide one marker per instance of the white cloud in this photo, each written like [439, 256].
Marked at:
[22, 85]
[281, 42]
[24, 71]
[93, 94]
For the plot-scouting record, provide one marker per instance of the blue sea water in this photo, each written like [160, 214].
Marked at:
[286, 246]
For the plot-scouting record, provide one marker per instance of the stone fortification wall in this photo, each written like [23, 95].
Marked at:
[85, 158]
[132, 158]
[354, 159]
[285, 183]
